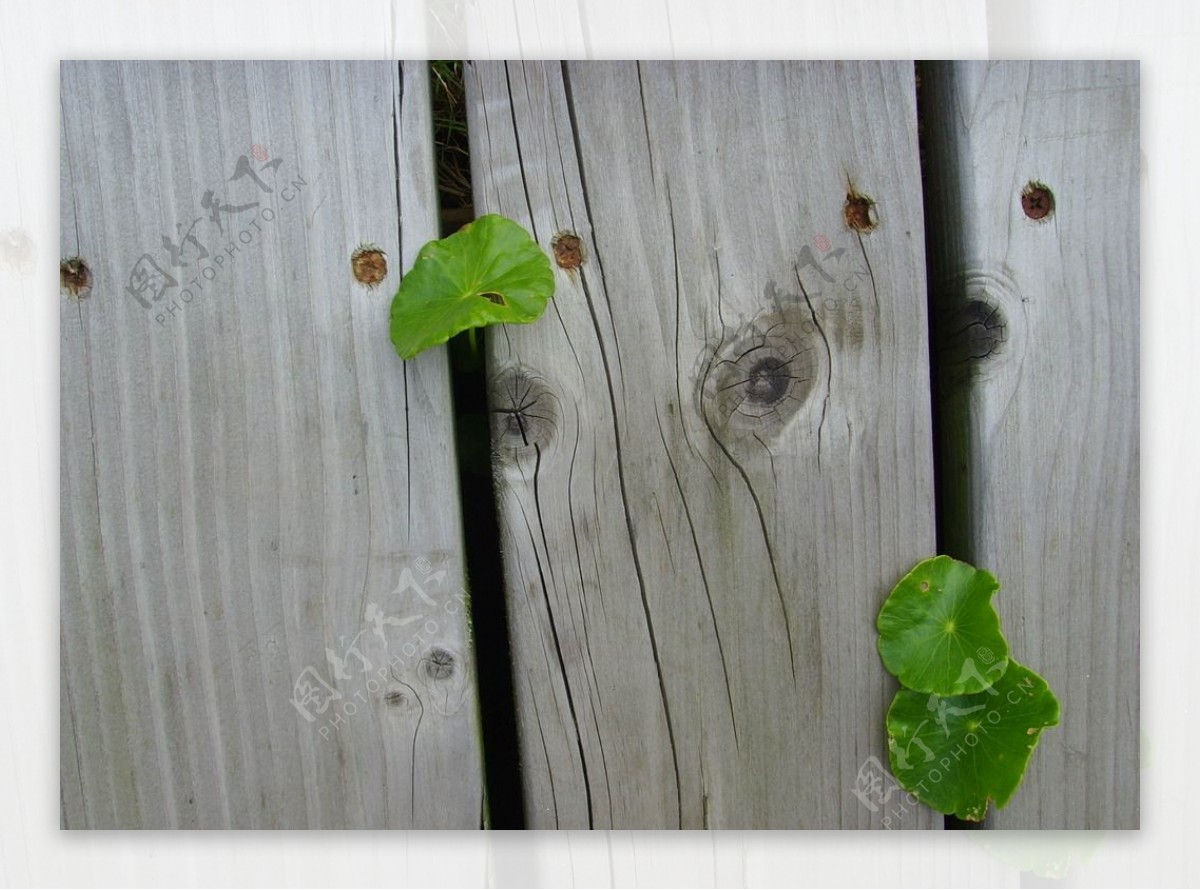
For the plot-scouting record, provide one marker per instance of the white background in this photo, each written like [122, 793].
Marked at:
[35, 36]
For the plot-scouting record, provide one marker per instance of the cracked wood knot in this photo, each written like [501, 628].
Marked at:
[757, 378]
[525, 413]
[972, 325]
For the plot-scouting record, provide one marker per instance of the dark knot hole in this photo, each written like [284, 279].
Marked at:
[767, 380]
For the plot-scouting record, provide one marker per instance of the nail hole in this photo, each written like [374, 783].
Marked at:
[1037, 201]
[860, 212]
[568, 250]
[74, 276]
[369, 265]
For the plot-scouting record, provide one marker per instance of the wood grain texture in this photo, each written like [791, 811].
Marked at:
[713, 451]
[1038, 352]
[247, 467]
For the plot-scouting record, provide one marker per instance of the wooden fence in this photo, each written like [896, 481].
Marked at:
[731, 442]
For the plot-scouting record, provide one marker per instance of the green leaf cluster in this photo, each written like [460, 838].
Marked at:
[489, 271]
[962, 729]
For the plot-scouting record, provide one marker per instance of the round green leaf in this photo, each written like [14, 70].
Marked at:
[956, 753]
[489, 271]
[938, 624]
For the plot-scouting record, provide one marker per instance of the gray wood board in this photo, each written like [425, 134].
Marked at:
[248, 469]
[714, 451]
[1038, 350]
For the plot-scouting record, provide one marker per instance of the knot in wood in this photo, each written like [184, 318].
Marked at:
[402, 701]
[982, 330]
[972, 326]
[756, 380]
[439, 664]
[524, 414]
[767, 380]
[444, 676]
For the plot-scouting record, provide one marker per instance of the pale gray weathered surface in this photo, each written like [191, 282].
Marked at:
[245, 479]
[714, 450]
[1038, 345]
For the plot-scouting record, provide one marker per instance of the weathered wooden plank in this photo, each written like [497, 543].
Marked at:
[1038, 351]
[248, 470]
[714, 452]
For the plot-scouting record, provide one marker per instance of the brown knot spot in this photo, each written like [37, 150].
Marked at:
[1037, 201]
[395, 698]
[369, 265]
[859, 212]
[75, 277]
[568, 250]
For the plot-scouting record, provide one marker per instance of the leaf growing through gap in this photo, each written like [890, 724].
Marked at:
[956, 753]
[488, 272]
[937, 622]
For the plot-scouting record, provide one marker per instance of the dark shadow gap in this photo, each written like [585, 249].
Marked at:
[489, 613]
[943, 204]
[472, 435]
